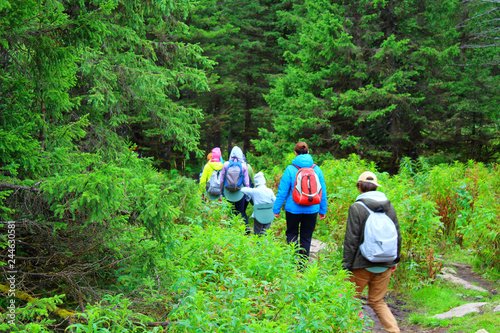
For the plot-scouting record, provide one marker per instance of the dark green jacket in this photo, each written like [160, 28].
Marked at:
[355, 225]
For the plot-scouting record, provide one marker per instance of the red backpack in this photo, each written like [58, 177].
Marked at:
[307, 189]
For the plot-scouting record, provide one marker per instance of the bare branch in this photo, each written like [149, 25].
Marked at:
[468, 46]
[19, 187]
[492, 1]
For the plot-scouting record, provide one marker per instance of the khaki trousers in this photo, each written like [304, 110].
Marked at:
[377, 288]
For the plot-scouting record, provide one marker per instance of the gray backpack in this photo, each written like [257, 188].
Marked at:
[213, 184]
[233, 180]
[381, 237]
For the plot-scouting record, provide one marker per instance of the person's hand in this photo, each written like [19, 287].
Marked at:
[322, 216]
[393, 268]
[277, 216]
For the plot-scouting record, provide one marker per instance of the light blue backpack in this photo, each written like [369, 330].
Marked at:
[381, 237]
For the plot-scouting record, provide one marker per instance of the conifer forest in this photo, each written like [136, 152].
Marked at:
[108, 109]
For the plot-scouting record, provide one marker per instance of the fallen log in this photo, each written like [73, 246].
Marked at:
[23, 296]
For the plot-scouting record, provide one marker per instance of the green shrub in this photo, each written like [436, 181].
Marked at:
[228, 282]
[111, 314]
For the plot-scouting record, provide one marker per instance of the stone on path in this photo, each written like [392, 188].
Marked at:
[461, 310]
[482, 331]
[460, 282]
[448, 270]
[497, 309]
[317, 246]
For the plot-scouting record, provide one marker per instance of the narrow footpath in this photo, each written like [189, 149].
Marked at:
[455, 273]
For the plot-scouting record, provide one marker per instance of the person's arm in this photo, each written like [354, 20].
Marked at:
[251, 175]
[323, 205]
[283, 191]
[247, 190]
[352, 237]
[222, 174]
[246, 178]
[396, 223]
[204, 178]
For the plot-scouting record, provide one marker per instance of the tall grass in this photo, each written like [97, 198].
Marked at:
[207, 276]
[436, 205]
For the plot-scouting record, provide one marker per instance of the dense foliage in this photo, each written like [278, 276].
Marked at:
[389, 79]
[202, 273]
[103, 240]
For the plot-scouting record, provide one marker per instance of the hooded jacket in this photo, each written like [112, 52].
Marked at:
[209, 168]
[216, 155]
[260, 194]
[236, 154]
[287, 182]
[355, 225]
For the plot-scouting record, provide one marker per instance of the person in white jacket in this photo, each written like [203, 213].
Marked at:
[263, 200]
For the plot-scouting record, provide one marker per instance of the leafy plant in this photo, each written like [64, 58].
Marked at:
[229, 282]
[112, 314]
[32, 317]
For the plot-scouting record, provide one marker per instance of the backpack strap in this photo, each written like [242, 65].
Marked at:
[364, 205]
[378, 210]
[312, 166]
[362, 236]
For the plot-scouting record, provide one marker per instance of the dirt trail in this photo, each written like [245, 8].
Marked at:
[401, 313]
[398, 306]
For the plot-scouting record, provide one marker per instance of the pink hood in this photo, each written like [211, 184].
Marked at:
[215, 154]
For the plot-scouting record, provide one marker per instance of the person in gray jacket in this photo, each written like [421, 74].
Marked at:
[364, 272]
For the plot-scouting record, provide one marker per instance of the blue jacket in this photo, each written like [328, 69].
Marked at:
[287, 182]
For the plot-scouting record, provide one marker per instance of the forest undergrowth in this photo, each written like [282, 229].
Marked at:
[121, 247]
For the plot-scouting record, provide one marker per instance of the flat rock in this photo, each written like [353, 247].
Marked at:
[482, 330]
[460, 282]
[461, 311]
[497, 309]
[316, 246]
[448, 270]
[457, 265]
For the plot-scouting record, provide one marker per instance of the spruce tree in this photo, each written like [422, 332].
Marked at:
[241, 36]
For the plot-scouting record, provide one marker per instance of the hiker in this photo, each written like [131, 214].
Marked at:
[375, 275]
[300, 217]
[209, 158]
[234, 176]
[263, 199]
[210, 177]
[251, 176]
[134, 149]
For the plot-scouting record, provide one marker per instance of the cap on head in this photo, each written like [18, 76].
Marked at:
[369, 177]
[259, 179]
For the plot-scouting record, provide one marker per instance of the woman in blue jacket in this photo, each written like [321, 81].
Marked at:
[300, 219]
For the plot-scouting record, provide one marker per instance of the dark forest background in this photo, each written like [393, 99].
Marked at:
[381, 79]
